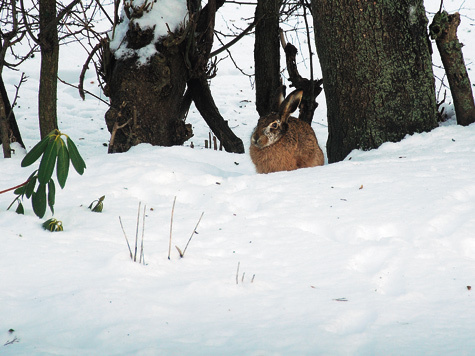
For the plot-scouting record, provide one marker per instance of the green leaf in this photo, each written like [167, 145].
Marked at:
[38, 201]
[20, 209]
[47, 162]
[30, 187]
[51, 195]
[62, 164]
[36, 151]
[20, 190]
[76, 159]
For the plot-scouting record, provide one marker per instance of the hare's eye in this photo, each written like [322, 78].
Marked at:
[274, 125]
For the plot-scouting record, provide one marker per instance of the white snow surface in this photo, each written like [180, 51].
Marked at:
[370, 256]
[161, 16]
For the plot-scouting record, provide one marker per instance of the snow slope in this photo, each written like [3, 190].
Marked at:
[369, 256]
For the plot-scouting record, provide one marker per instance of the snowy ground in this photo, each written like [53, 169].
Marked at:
[370, 256]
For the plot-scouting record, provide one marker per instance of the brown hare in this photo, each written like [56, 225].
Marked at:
[281, 142]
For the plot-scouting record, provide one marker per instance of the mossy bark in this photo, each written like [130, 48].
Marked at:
[377, 72]
[444, 31]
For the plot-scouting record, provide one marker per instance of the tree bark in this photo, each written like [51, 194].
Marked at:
[444, 30]
[377, 72]
[4, 131]
[49, 47]
[15, 135]
[145, 102]
[267, 56]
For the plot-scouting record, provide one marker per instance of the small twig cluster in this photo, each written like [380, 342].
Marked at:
[133, 256]
[243, 274]
[214, 140]
[140, 254]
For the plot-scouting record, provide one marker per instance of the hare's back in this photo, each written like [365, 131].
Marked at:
[303, 138]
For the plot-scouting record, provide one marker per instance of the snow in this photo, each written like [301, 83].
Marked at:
[369, 256]
[162, 16]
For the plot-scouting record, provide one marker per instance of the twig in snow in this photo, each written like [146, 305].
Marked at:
[142, 257]
[171, 226]
[237, 273]
[128, 245]
[137, 232]
[10, 342]
[192, 234]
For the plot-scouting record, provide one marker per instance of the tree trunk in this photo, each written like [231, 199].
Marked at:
[146, 101]
[12, 126]
[49, 46]
[4, 131]
[377, 72]
[267, 56]
[444, 30]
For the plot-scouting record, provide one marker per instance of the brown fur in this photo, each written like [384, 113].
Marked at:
[281, 142]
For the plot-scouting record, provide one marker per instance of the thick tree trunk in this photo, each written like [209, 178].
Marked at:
[267, 56]
[444, 31]
[377, 72]
[146, 101]
[49, 46]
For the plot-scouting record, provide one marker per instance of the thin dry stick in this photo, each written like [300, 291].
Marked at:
[142, 257]
[252, 280]
[128, 245]
[192, 234]
[137, 232]
[237, 273]
[171, 226]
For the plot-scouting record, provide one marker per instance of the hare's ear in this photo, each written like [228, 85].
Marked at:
[290, 104]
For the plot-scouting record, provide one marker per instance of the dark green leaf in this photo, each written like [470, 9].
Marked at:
[36, 151]
[49, 224]
[47, 162]
[62, 165]
[30, 187]
[20, 190]
[76, 159]
[38, 201]
[20, 209]
[51, 195]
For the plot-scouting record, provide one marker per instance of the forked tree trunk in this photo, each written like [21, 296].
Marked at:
[377, 72]
[148, 101]
[444, 31]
